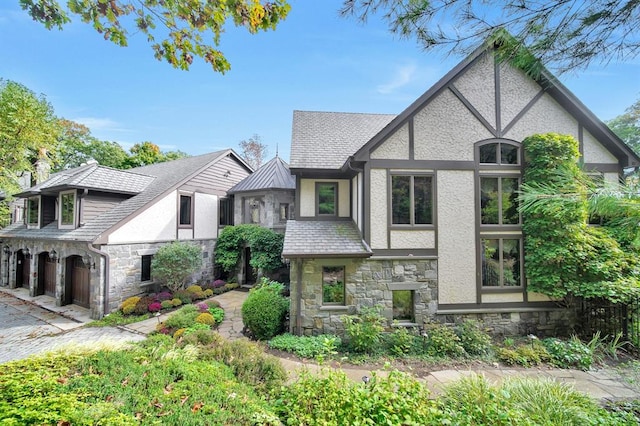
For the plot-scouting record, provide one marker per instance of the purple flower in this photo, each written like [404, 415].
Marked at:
[218, 283]
[154, 307]
[202, 307]
[165, 295]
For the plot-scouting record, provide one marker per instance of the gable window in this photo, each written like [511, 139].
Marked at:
[333, 285]
[402, 305]
[226, 211]
[33, 212]
[499, 153]
[186, 210]
[284, 212]
[411, 200]
[498, 200]
[501, 262]
[327, 198]
[67, 209]
[145, 274]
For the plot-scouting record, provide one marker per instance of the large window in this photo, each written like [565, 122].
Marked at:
[327, 198]
[33, 211]
[226, 211]
[501, 262]
[499, 153]
[186, 210]
[333, 285]
[411, 200]
[498, 201]
[67, 209]
[146, 267]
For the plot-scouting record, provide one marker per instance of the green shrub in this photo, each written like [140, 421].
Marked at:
[306, 346]
[174, 263]
[167, 304]
[208, 292]
[196, 327]
[473, 338]
[443, 341]
[129, 305]
[217, 313]
[401, 341]
[142, 306]
[213, 303]
[183, 317]
[176, 302]
[184, 296]
[333, 399]
[205, 318]
[265, 309]
[202, 337]
[364, 330]
[117, 318]
[230, 286]
[526, 354]
[569, 354]
[266, 247]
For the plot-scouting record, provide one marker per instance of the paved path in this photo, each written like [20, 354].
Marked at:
[26, 329]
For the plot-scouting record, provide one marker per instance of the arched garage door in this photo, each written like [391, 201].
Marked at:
[47, 272]
[77, 285]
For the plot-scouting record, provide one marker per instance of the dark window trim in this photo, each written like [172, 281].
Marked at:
[36, 224]
[335, 199]
[411, 225]
[498, 162]
[344, 285]
[145, 270]
[503, 288]
[191, 212]
[287, 207]
[73, 212]
[503, 227]
[226, 205]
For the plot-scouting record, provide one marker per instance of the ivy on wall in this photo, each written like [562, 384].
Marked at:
[564, 256]
[265, 244]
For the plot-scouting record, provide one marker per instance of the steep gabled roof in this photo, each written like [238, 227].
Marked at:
[274, 174]
[309, 238]
[165, 177]
[324, 140]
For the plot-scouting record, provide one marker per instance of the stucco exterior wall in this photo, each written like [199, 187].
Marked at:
[205, 224]
[594, 152]
[378, 207]
[545, 116]
[157, 223]
[308, 196]
[395, 147]
[502, 297]
[356, 202]
[516, 91]
[416, 239]
[538, 297]
[612, 177]
[456, 237]
[477, 85]
[446, 130]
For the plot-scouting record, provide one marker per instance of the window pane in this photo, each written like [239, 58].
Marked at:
[327, 199]
[508, 154]
[146, 268]
[490, 263]
[511, 262]
[488, 153]
[401, 199]
[403, 305]
[333, 285]
[32, 212]
[489, 200]
[66, 209]
[510, 213]
[422, 203]
[185, 210]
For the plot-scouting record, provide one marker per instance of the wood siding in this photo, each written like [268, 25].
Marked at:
[93, 205]
[213, 180]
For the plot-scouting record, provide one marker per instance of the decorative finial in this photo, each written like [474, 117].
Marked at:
[276, 150]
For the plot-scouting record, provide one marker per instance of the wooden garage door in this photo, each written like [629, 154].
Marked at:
[80, 283]
[50, 277]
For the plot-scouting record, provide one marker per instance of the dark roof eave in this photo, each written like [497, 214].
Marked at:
[324, 255]
[246, 191]
[322, 173]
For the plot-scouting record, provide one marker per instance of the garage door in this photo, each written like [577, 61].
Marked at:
[79, 283]
[49, 277]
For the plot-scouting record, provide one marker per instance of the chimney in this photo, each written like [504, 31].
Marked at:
[43, 166]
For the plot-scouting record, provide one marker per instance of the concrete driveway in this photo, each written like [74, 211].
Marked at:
[27, 329]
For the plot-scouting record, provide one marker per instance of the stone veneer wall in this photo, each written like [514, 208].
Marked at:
[125, 263]
[369, 282]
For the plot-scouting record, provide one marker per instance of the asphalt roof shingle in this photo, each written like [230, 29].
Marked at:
[274, 174]
[323, 239]
[325, 140]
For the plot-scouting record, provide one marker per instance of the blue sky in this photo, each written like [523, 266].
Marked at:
[315, 60]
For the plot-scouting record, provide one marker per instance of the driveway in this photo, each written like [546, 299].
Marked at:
[27, 329]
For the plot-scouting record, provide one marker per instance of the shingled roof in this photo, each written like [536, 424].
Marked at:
[274, 174]
[323, 239]
[324, 140]
[162, 177]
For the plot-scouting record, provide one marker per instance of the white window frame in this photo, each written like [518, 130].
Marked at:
[75, 197]
[35, 225]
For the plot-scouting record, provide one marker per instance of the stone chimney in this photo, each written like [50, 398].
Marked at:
[43, 166]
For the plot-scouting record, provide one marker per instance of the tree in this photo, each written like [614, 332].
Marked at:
[627, 126]
[28, 131]
[174, 263]
[253, 151]
[78, 146]
[563, 34]
[176, 29]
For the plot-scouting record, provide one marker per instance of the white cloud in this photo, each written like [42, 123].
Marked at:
[403, 76]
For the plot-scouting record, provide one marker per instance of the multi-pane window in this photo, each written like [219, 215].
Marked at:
[402, 305]
[185, 214]
[146, 267]
[67, 208]
[327, 195]
[333, 285]
[499, 153]
[226, 211]
[501, 262]
[498, 201]
[411, 200]
[33, 211]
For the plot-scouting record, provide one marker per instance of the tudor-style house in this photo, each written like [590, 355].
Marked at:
[416, 212]
[89, 233]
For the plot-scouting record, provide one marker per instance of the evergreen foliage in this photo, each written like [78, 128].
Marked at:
[265, 310]
[174, 262]
[266, 247]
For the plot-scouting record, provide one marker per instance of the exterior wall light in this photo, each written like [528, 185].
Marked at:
[6, 250]
[53, 255]
[86, 259]
[26, 252]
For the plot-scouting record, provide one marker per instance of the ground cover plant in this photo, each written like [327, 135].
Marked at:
[201, 316]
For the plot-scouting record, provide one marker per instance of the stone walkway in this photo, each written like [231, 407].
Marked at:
[26, 329]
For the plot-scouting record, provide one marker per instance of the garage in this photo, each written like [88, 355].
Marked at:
[77, 283]
[47, 273]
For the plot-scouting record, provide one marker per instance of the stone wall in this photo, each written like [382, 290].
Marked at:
[370, 282]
